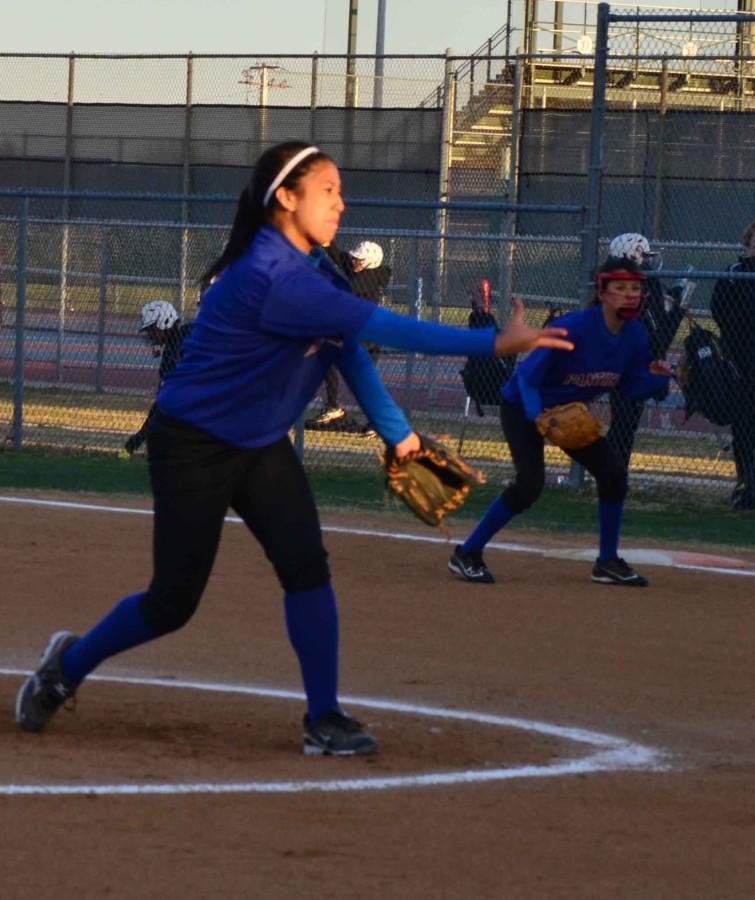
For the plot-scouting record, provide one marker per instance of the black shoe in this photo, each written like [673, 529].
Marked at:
[470, 566]
[42, 695]
[617, 571]
[336, 734]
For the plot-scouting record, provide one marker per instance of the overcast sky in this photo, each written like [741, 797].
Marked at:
[248, 26]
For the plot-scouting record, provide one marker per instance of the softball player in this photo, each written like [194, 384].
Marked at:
[277, 313]
[611, 349]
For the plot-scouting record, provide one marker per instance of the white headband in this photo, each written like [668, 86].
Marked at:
[290, 165]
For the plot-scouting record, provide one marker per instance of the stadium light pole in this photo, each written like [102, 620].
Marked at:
[377, 97]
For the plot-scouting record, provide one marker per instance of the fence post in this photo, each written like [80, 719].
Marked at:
[17, 430]
[377, 92]
[313, 89]
[102, 311]
[416, 301]
[506, 256]
[444, 187]
[663, 106]
[591, 225]
[591, 228]
[186, 186]
[65, 236]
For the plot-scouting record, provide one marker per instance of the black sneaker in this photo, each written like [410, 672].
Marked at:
[470, 566]
[616, 571]
[47, 689]
[336, 734]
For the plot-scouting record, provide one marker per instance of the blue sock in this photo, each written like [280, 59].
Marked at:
[123, 627]
[312, 622]
[609, 519]
[497, 515]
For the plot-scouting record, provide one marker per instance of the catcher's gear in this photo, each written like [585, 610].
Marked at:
[369, 253]
[635, 247]
[570, 427]
[433, 481]
[158, 314]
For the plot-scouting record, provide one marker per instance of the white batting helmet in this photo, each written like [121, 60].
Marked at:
[635, 247]
[158, 314]
[369, 253]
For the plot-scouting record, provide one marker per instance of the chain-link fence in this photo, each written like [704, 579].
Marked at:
[75, 375]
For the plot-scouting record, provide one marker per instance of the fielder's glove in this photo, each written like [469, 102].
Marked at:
[570, 427]
[432, 481]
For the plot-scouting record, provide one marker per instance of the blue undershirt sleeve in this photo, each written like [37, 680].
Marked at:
[365, 383]
[389, 329]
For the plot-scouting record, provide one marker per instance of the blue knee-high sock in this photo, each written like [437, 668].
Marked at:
[497, 515]
[312, 622]
[609, 520]
[122, 628]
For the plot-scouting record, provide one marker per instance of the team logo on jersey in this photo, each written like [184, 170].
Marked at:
[593, 379]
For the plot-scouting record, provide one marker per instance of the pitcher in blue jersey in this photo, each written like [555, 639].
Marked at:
[275, 315]
[611, 350]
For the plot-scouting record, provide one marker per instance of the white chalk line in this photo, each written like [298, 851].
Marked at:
[610, 753]
[392, 535]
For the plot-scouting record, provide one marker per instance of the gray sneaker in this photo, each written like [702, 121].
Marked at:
[43, 693]
[336, 734]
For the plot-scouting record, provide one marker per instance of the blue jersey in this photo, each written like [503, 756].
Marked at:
[266, 333]
[599, 362]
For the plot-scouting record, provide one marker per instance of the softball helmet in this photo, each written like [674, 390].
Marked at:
[635, 247]
[369, 253]
[158, 314]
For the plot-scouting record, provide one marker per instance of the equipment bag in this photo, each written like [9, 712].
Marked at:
[484, 376]
[711, 383]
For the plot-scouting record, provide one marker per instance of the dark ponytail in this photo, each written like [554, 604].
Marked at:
[251, 213]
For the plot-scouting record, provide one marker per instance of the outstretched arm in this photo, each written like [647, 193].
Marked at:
[403, 333]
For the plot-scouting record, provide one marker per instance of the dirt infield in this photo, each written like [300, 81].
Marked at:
[542, 737]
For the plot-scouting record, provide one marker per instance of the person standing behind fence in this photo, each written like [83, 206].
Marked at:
[733, 309]
[161, 325]
[661, 313]
[276, 317]
[610, 349]
[368, 277]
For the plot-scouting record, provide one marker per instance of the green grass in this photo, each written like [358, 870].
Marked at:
[651, 517]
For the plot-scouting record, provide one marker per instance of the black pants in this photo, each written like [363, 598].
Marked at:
[625, 420]
[332, 378]
[195, 480]
[528, 453]
[743, 446]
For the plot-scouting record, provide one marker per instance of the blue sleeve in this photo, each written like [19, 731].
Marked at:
[389, 329]
[362, 378]
[531, 399]
[303, 303]
[638, 383]
[642, 385]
